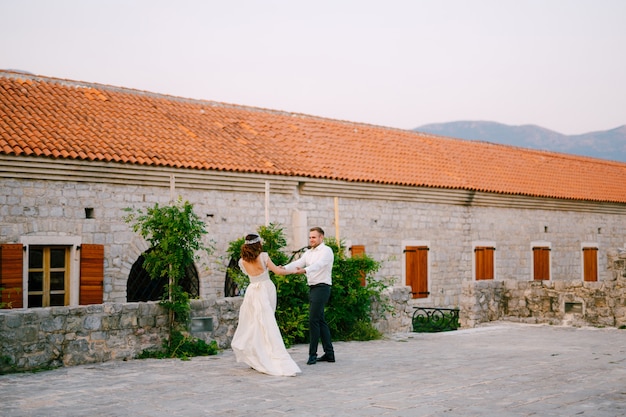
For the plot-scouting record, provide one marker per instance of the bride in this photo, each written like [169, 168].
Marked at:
[257, 340]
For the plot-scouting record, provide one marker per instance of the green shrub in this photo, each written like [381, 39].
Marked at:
[181, 346]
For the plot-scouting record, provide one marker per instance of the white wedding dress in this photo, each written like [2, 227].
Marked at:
[257, 340]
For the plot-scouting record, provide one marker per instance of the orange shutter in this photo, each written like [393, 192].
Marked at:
[91, 274]
[590, 264]
[356, 251]
[484, 263]
[11, 280]
[417, 270]
[541, 263]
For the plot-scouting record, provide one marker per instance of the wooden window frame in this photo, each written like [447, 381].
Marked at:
[46, 269]
[541, 261]
[589, 263]
[420, 286]
[484, 262]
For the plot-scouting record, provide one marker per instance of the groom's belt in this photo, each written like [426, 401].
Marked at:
[319, 285]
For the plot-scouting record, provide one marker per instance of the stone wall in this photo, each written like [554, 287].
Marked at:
[223, 314]
[481, 302]
[398, 320]
[66, 336]
[54, 209]
[575, 303]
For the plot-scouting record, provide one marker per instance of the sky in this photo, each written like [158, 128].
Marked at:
[559, 64]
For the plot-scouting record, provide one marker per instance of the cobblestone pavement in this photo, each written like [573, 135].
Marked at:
[501, 369]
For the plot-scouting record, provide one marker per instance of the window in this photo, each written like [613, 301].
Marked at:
[484, 262]
[48, 276]
[47, 271]
[140, 287]
[590, 263]
[541, 263]
[416, 270]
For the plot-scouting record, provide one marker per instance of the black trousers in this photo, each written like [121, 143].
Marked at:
[318, 328]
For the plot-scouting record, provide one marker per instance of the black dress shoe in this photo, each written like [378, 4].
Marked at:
[326, 358]
[312, 360]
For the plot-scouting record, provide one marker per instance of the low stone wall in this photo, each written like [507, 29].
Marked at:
[576, 304]
[224, 316]
[573, 303]
[480, 302]
[399, 319]
[65, 336]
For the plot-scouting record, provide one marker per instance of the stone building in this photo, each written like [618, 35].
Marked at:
[461, 224]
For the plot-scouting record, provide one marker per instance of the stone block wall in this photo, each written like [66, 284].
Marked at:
[398, 320]
[481, 302]
[574, 303]
[53, 209]
[67, 336]
[224, 315]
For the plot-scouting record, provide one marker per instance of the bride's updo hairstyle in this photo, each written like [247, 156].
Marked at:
[251, 248]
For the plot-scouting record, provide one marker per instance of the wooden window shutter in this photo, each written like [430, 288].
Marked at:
[590, 264]
[91, 274]
[541, 263]
[356, 251]
[11, 269]
[417, 270]
[484, 263]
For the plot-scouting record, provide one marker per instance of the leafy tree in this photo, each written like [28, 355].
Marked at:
[174, 233]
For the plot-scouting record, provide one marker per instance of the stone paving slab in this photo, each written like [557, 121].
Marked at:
[500, 369]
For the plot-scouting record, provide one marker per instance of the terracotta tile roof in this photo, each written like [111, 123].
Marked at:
[55, 118]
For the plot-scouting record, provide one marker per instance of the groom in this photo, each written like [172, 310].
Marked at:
[317, 264]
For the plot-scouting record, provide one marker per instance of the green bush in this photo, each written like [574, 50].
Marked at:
[181, 346]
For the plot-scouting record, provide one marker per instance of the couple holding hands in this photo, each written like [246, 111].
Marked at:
[257, 340]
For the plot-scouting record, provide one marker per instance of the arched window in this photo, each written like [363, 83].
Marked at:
[141, 287]
[230, 286]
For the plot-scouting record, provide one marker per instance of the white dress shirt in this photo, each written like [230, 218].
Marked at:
[318, 264]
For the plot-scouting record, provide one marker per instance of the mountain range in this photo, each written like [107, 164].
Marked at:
[608, 144]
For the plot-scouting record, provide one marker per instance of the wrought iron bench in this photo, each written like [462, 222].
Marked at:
[431, 319]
